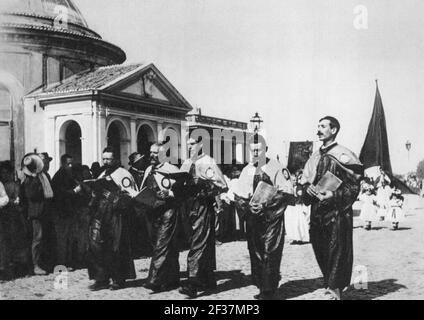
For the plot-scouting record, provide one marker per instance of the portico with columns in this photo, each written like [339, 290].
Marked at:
[125, 107]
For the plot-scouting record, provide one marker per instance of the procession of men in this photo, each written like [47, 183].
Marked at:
[163, 195]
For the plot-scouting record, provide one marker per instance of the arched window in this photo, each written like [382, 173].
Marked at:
[145, 139]
[118, 139]
[70, 140]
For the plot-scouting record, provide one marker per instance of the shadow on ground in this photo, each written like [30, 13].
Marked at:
[236, 280]
[375, 290]
[296, 288]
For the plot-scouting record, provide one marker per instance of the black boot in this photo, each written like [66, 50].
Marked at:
[99, 285]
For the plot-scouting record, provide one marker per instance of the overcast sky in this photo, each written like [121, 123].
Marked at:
[293, 61]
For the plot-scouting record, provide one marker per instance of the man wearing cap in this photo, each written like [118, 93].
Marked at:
[49, 228]
[109, 237]
[46, 161]
[264, 219]
[331, 211]
[137, 165]
[207, 182]
[36, 192]
[164, 273]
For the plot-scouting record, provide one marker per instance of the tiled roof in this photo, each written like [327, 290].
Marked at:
[92, 79]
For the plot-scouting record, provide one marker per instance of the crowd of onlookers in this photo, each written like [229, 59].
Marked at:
[44, 220]
[43, 224]
[381, 202]
[416, 184]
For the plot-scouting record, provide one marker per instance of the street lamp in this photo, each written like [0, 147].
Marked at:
[256, 122]
[408, 146]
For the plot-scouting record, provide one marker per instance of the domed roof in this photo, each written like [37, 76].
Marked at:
[45, 9]
[54, 24]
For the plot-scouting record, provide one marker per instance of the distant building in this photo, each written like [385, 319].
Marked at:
[234, 136]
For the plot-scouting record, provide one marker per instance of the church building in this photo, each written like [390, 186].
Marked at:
[63, 89]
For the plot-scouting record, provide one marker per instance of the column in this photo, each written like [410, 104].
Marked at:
[101, 135]
[133, 128]
[160, 131]
[184, 139]
[51, 143]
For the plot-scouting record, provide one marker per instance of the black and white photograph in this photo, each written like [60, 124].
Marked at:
[231, 151]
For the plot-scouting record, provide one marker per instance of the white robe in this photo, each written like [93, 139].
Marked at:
[369, 209]
[297, 222]
[395, 213]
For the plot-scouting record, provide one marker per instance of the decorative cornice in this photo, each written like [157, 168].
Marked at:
[49, 37]
[50, 20]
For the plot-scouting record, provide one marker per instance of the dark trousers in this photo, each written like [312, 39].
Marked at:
[37, 238]
[64, 233]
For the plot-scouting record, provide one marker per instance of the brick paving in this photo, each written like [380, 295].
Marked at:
[393, 261]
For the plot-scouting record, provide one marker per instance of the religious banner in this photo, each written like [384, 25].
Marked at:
[299, 154]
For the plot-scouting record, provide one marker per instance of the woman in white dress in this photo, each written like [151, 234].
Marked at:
[369, 208]
[395, 213]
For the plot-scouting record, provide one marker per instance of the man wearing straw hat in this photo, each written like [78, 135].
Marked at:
[36, 192]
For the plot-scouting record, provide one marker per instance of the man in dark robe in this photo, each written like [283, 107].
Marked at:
[49, 254]
[331, 211]
[141, 225]
[265, 219]
[14, 249]
[110, 254]
[164, 271]
[207, 181]
[66, 190]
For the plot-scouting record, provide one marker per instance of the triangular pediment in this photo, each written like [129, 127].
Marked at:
[148, 83]
[144, 89]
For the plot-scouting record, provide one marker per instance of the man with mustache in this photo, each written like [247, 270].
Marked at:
[331, 211]
[109, 238]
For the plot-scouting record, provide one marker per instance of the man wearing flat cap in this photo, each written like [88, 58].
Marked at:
[138, 165]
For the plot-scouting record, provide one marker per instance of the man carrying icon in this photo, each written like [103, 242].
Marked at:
[109, 237]
[261, 196]
[164, 271]
[200, 191]
[331, 185]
